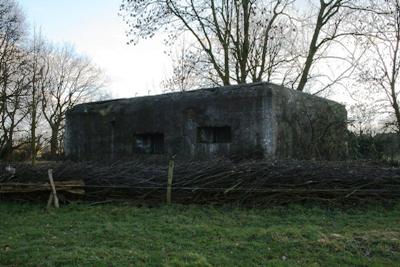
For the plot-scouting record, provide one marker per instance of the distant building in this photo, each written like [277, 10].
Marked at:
[241, 120]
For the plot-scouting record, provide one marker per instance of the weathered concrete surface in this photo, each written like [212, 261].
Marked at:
[309, 127]
[244, 120]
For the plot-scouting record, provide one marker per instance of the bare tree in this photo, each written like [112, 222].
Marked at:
[269, 39]
[329, 26]
[380, 70]
[38, 84]
[241, 41]
[38, 80]
[184, 69]
[72, 79]
[232, 36]
[13, 102]
[12, 74]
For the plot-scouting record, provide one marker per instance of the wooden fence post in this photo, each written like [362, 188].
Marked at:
[170, 176]
[53, 195]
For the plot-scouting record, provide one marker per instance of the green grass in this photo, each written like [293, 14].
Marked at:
[124, 235]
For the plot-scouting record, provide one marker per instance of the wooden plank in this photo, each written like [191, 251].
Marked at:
[74, 187]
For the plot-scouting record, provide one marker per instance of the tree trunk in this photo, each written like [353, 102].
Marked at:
[54, 142]
[312, 49]
[6, 151]
[33, 139]
[397, 114]
[33, 121]
[246, 42]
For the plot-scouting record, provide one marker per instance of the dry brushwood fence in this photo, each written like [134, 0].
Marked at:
[251, 182]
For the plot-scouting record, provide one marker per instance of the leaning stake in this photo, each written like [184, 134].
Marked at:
[170, 176]
[53, 189]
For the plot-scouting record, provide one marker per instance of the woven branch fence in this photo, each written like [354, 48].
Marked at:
[219, 181]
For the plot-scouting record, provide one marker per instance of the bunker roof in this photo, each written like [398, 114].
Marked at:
[203, 94]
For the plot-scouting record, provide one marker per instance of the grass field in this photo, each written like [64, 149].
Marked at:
[124, 235]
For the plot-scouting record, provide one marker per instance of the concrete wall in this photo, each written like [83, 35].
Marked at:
[107, 129]
[309, 127]
[261, 118]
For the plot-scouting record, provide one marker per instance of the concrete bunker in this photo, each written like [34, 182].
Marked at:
[242, 120]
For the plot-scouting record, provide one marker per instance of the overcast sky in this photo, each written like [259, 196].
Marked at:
[95, 29]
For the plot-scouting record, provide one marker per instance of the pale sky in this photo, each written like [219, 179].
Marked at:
[96, 30]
